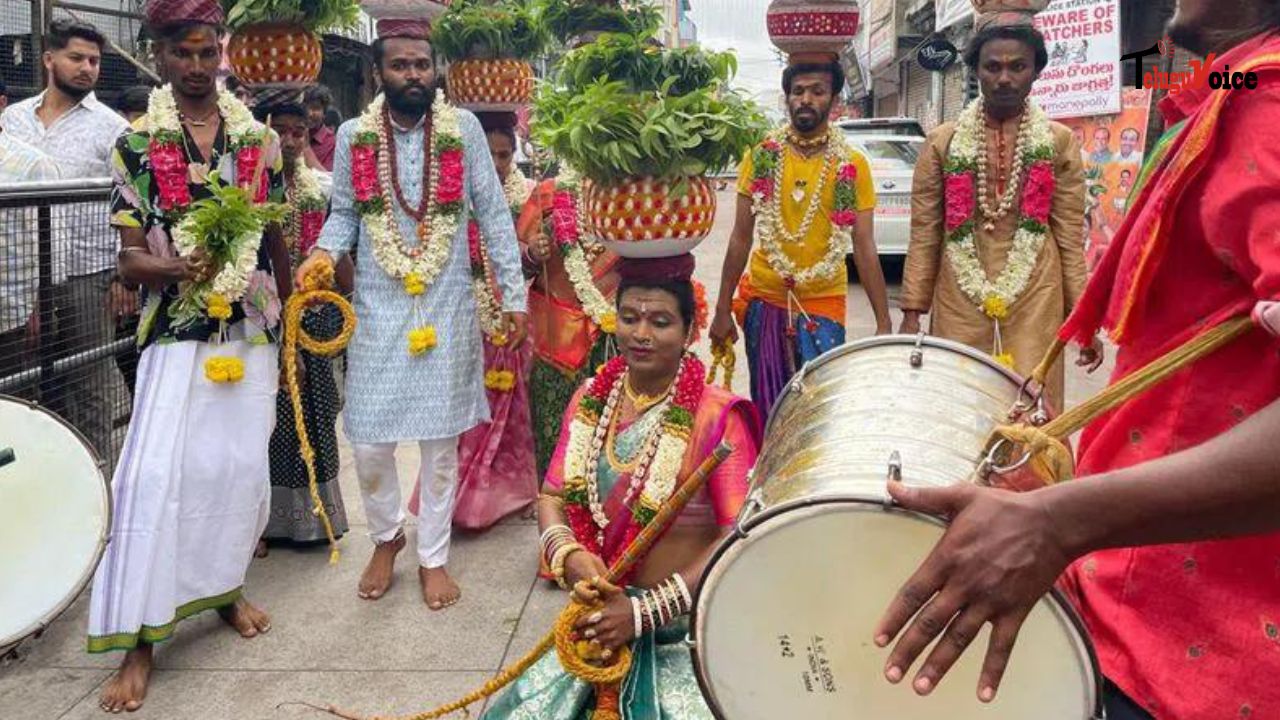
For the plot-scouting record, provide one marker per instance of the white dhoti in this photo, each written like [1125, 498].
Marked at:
[384, 506]
[191, 493]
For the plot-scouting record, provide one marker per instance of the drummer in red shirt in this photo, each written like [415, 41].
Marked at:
[1170, 542]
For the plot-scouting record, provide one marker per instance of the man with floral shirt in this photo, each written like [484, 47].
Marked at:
[191, 487]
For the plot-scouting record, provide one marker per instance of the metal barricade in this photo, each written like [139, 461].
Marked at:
[60, 343]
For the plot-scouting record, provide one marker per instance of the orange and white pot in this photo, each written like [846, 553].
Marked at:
[275, 53]
[490, 85]
[644, 218]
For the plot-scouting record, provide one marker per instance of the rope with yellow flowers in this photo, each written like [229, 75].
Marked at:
[574, 656]
[311, 293]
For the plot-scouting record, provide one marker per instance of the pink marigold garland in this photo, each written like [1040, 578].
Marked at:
[845, 214]
[364, 174]
[169, 167]
[1037, 197]
[310, 225]
[449, 161]
[960, 200]
[248, 164]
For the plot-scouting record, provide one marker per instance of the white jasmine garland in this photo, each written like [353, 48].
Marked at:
[577, 264]
[163, 119]
[389, 248]
[306, 186]
[516, 189]
[770, 230]
[968, 149]
[162, 116]
[232, 280]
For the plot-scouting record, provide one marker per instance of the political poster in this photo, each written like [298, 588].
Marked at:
[1112, 149]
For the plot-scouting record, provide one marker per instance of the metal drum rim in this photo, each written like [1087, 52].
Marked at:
[104, 536]
[1060, 605]
[910, 341]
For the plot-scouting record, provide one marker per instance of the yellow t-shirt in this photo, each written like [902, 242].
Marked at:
[797, 168]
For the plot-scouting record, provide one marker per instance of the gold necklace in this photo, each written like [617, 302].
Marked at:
[197, 122]
[640, 401]
[813, 143]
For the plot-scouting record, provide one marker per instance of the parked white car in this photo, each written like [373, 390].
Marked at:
[891, 146]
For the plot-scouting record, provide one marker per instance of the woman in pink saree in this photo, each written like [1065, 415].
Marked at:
[630, 436]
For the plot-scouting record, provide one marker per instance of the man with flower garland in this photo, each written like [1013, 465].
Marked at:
[407, 175]
[191, 489]
[1170, 536]
[801, 194]
[997, 213]
[1174, 521]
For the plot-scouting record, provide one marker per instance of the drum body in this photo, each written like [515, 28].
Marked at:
[786, 612]
[834, 430]
[55, 515]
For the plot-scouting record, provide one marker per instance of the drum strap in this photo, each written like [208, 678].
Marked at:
[1046, 445]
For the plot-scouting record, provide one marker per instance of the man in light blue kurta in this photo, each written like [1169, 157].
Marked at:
[431, 398]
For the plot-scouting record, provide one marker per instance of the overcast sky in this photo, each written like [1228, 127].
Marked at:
[739, 25]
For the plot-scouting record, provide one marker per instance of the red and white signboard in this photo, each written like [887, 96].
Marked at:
[1084, 73]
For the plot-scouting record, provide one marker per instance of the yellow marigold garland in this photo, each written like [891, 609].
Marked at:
[722, 358]
[222, 369]
[500, 380]
[219, 308]
[312, 293]
[422, 339]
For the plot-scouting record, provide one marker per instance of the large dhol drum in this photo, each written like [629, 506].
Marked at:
[55, 515]
[786, 612]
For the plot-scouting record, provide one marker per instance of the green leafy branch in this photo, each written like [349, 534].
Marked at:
[569, 18]
[644, 67]
[314, 15]
[609, 132]
[472, 29]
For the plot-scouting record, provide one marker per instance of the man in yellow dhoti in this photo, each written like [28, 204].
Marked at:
[805, 200]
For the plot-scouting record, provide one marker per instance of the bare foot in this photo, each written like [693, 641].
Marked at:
[439, 590]
[261, 551]
[128, 687]
[378, 574]
[247, 620]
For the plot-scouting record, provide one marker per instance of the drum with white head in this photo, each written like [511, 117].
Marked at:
[786, 612]
[55, 515]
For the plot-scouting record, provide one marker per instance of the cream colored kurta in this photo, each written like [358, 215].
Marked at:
[929, 283]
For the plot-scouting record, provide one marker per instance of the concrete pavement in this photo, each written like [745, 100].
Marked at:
[326, 645]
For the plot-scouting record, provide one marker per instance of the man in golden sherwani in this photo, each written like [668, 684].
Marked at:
[997, 213]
